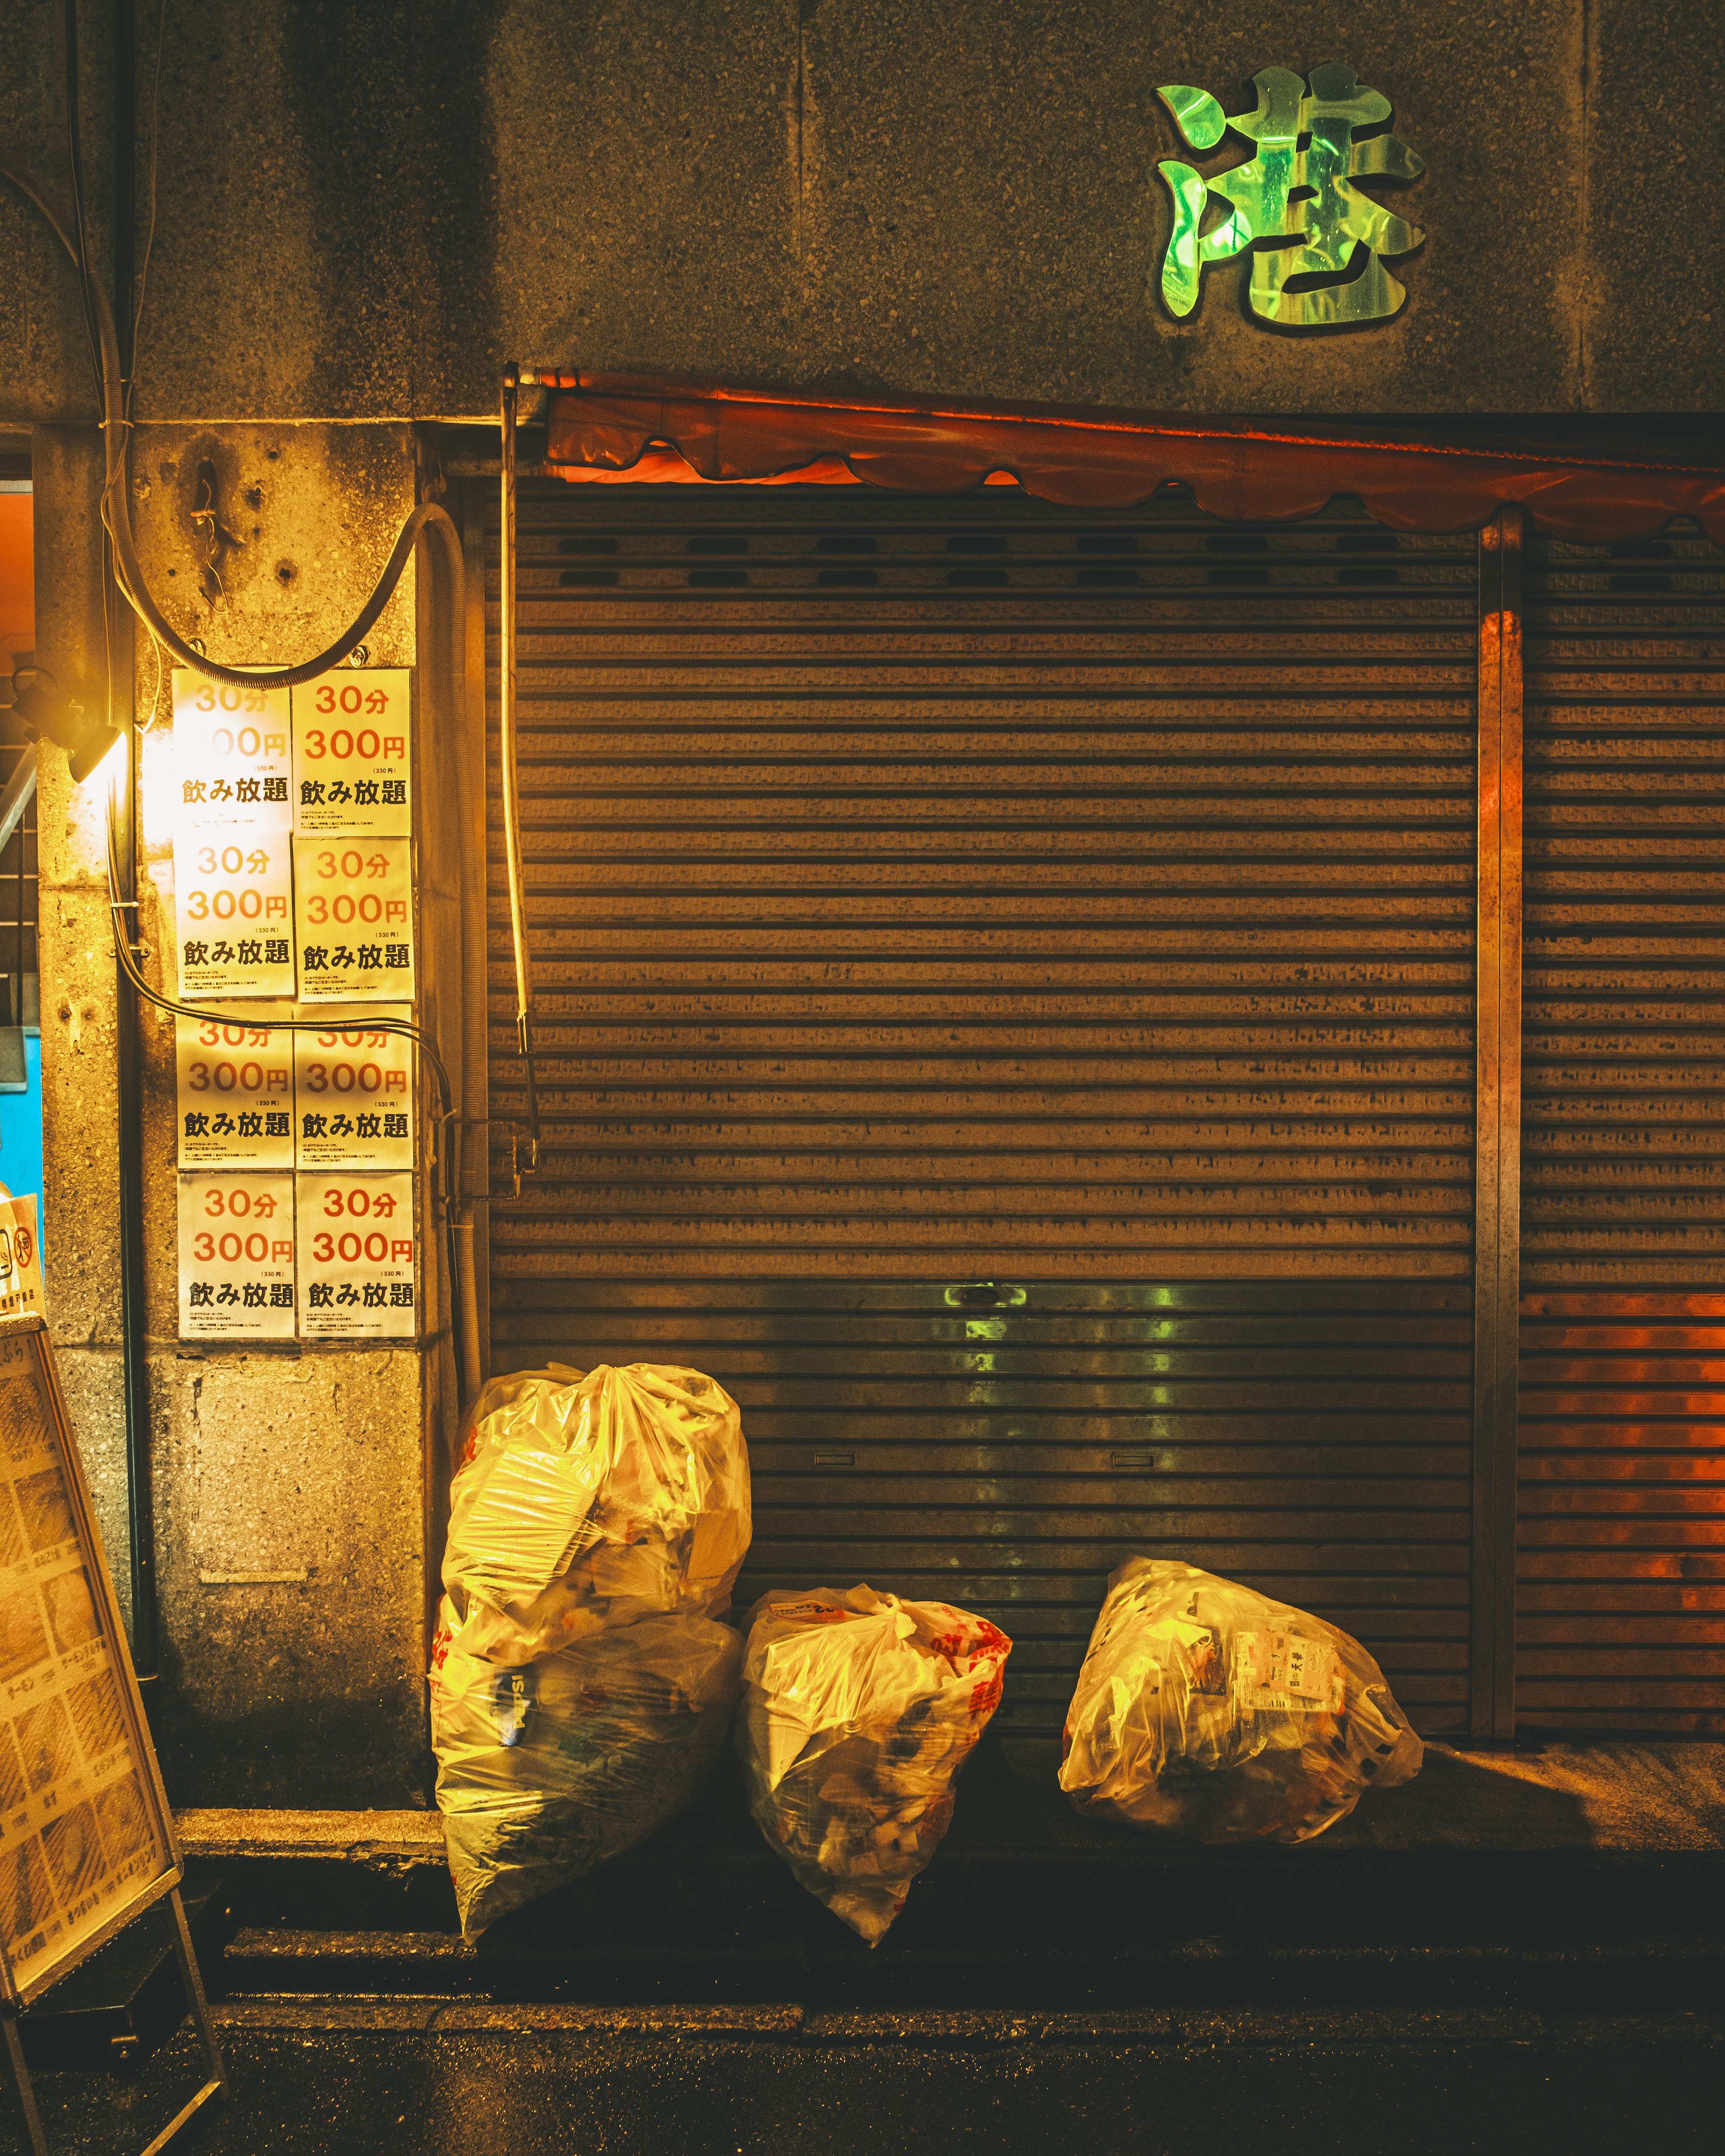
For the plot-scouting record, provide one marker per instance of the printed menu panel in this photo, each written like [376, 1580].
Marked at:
[80, 1838]
[354, 1096]
[234, 906]
[352, 762]
[357, 1256]
[236, 1257]
[235, 1094]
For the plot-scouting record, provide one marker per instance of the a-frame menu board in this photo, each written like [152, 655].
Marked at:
[86, 1838]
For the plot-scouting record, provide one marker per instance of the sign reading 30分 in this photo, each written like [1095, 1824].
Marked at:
[232, 833]
[351, 764]
[353, 912]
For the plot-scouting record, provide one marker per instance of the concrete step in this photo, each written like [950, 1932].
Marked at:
[820, 1970]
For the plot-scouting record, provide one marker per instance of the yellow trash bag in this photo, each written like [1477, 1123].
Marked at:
[859, 1710]
[1210, 1712]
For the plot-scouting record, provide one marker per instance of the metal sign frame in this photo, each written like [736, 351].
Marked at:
[29, 1328]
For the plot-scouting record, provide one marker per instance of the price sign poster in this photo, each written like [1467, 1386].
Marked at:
[234, 899]
[84, 1839]
[236, 1257]
[233, 827]
[351, 755]
[231, 757]
[353, 1093]
[357, 1256]
[353, 916]
[235, 1094]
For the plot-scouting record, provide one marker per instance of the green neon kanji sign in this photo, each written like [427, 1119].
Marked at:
[1294, 203]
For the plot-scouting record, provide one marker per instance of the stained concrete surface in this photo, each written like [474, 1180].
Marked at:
[361, 211]
[311, 2079]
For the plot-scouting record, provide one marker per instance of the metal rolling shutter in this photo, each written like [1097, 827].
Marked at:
[1003, 983]
[1622, 1539]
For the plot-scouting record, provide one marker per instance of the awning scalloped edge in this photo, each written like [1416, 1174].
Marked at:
[623, 424]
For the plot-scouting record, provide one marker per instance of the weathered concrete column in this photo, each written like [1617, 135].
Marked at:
[284, 1458]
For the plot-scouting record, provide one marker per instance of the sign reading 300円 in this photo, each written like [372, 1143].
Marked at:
[235, 1094]
[354, 1098]
[351, 765]
[236, 1257]
[356, 1249]
[353, 912]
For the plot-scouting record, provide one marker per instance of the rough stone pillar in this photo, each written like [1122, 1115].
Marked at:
[268, 1458]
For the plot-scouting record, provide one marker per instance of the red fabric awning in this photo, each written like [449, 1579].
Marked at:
[626, 426]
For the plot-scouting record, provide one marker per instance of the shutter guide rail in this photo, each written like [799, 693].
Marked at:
[1497, 1131]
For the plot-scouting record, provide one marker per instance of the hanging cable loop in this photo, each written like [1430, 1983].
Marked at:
[511, 783]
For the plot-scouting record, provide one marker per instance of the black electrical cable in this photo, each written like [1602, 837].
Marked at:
[74, 158]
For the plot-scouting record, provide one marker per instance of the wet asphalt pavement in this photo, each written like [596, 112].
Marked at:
[311, 2077]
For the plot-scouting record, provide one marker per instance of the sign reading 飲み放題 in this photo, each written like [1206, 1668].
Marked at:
[353, 907]
[353, 1096]
[237, 1256]
[351, 765]
[235, 1093]
[356, 1242]
[232, 840]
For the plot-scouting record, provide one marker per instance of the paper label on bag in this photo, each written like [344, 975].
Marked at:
[353, 1089]
[356, 1249]
[353, 912]
[236, 1257]
[235, 1094]
[352, 761]
[1281, 1672]
[231, 759]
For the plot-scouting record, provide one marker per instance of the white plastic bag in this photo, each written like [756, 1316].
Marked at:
[859, 1710]
[545, 1768]
[1211, 1713]
[580, 1690]
[587, 1500]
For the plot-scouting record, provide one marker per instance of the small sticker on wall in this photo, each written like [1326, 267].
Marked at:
[235, 1094]
[353, 1097]
[356, 1250]
[236, 1257]
[353, 904]
[20, 1257]
[352, 761]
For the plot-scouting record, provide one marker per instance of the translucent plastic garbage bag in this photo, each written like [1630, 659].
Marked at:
[587, 1501]
[859, 1710]
[546, 1767]
[1215, 1714]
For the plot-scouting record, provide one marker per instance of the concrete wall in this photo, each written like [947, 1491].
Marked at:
[363, 210]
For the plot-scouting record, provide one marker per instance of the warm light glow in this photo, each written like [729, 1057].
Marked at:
[111, 770]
